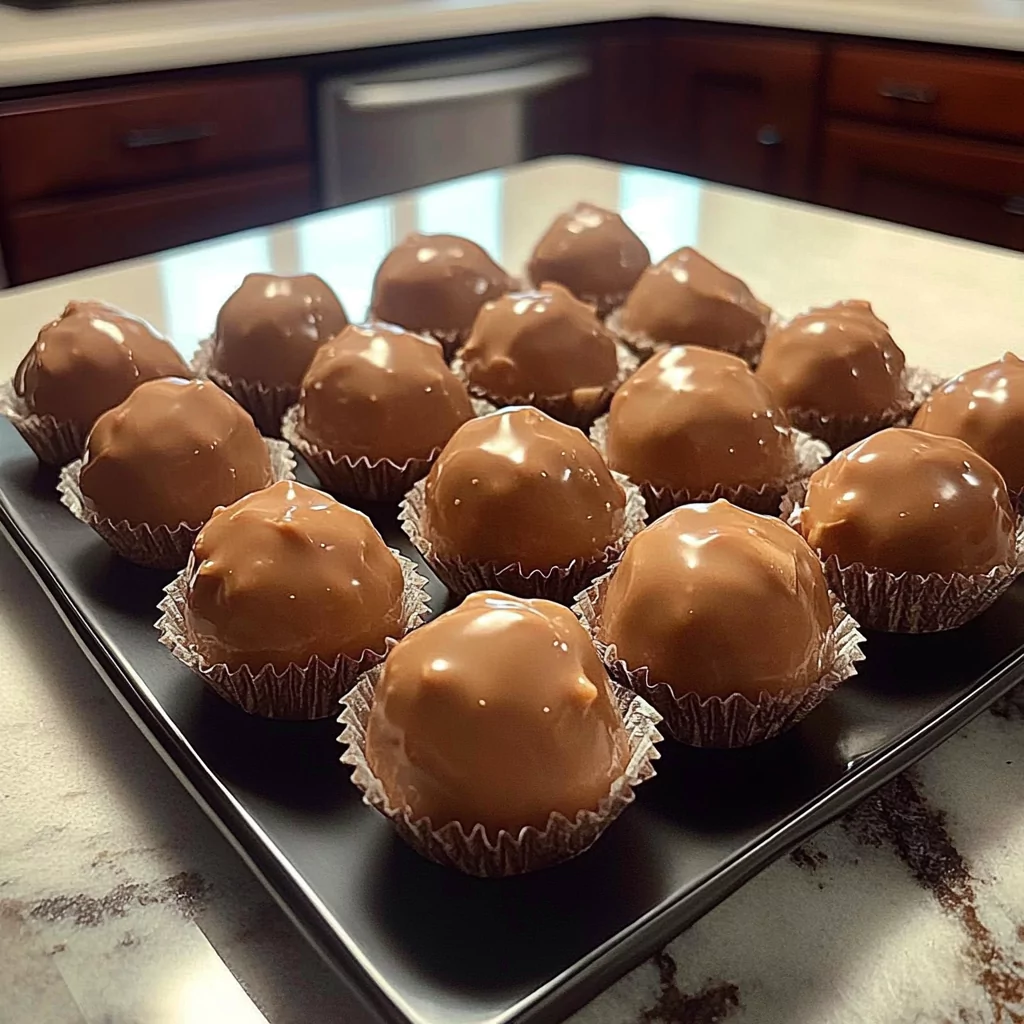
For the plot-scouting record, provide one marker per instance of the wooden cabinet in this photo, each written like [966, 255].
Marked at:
[971, 189]
[739, 108]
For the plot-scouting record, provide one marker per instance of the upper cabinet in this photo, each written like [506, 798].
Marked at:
[739, 108]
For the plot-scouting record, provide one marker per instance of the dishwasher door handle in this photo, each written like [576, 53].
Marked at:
[375, 96]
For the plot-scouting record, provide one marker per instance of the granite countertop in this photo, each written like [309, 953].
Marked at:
[96, 41]
[120, 902]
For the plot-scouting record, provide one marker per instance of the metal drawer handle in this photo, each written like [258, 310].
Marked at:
[908, 92]
[147, 138]
[768, 135]
[1015, 206]
[387, 95]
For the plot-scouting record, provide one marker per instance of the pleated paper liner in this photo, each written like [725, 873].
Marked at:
[578, 409]
[55, 442]
[733, 721]
[487, 856]
[558, 583]
[839, 432]
[265, 403]
[300, 691]
[809, 454]
[645, 346]
[910, 602]
[153, 547]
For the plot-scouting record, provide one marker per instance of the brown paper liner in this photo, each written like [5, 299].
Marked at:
[578, 409]
[808, 455]
[265, 403]
[153, 547]
[559, 583]
[733, 721]
[300, 691]
[475, 852]
[839, 432]
[910, 602]
[645, 346]
[55, 442]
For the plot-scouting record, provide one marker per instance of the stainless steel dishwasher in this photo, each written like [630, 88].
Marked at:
[409, 126]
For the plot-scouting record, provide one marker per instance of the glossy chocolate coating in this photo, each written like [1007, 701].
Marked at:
[380, 392]
[518, 486]
[170, 453]
[692, 418]
[591, 251]
[985, 408]
[436, 284]
[89, 359]
[270, 328]
[497, 713]
[906, 501]
[716, 600]
[688, 300]
[544, 343]
[288, 573]
[837, 360]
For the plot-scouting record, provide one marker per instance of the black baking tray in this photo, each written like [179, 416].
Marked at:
[423, 943]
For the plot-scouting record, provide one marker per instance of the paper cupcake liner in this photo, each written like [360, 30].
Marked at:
[645, 346]
[809, 454]
[911, 602]
[578, 409]
[475, 852]
[265, 403]
[301, 692]
[55, 442]
[153, 547]
[733, 721]
[559, 583]
[839, 432]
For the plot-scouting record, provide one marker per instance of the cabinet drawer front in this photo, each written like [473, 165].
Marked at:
[969, 189]
[51, 238]
[973, 95]
[139, 134]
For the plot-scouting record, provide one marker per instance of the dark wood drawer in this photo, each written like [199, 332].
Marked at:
[972, 95]
[970, 189]
[138, 135]
[45, 239]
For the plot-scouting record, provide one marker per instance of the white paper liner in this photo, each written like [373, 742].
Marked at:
[909, 602]
[559, 583]
[55, 442]
[579, 408]
[300, 691]
[733, 721]
[645, 346]
[475, 852]
[153, 547]
[839, 432]
[265, 403]
[809, 454]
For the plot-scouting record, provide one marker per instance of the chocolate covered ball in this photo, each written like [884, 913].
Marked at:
[170, 453]
[436, 284]
[542, 343]
[985, 408]
[715, 600]
[905, 501]
[379, 392]
[271, 326]
[90, 359]
[837, 361]
[688, 300]
[517, 486]
[498, 713]
[691, 419]
[593, 252]
[287, 574]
